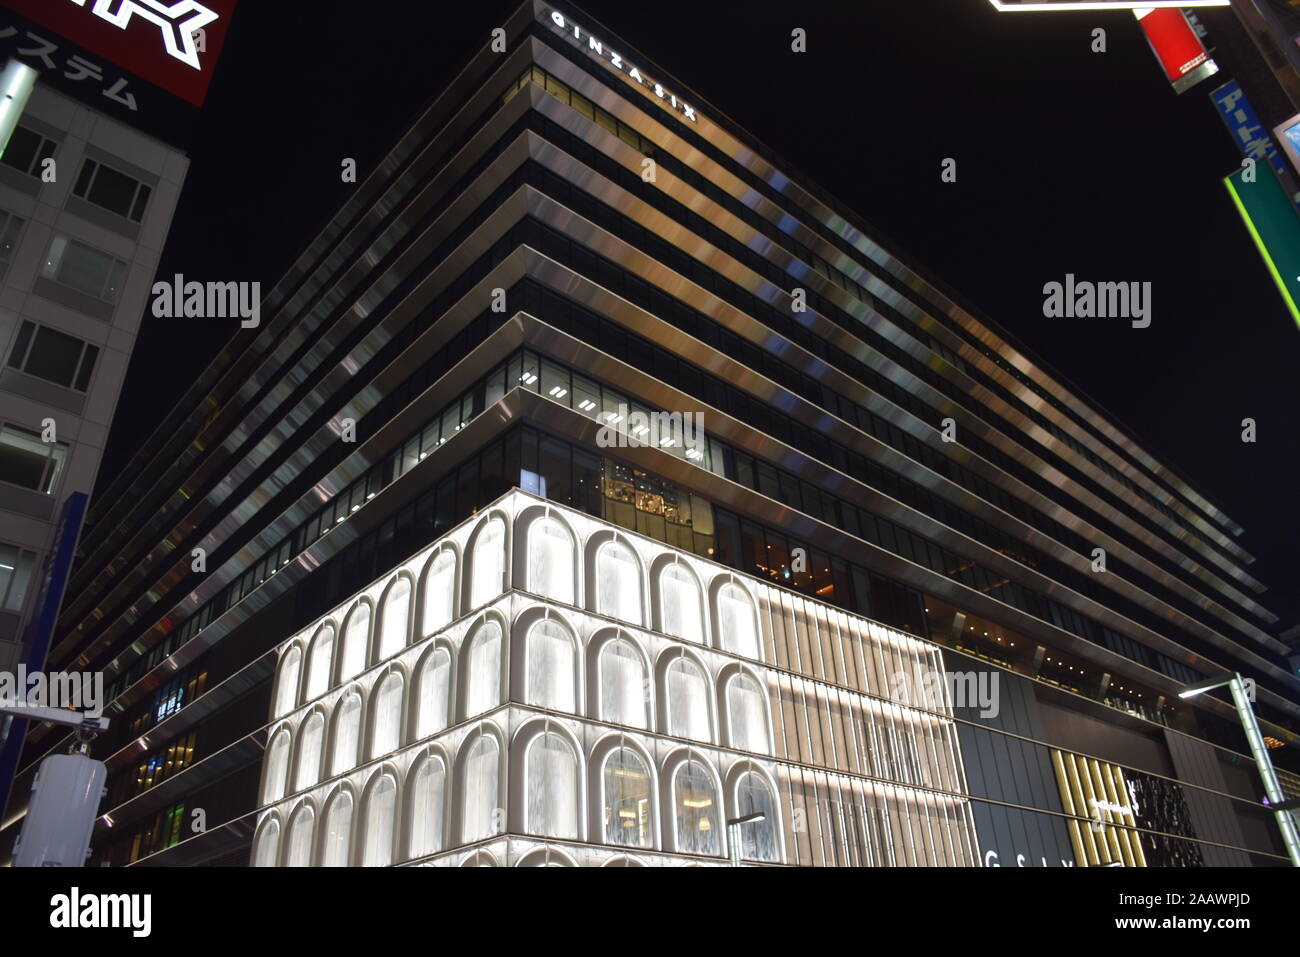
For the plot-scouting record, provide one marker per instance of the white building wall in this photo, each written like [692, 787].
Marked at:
[853, 778]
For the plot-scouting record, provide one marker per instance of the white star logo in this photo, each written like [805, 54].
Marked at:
[177, 21]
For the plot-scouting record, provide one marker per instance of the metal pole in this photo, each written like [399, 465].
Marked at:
[1285, 823]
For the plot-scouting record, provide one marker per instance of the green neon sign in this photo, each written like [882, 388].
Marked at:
[1271, 220]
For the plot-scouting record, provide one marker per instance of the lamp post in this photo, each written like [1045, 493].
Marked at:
[733, 833]
[1274, 797]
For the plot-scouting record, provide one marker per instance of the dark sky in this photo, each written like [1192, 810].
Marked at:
[1068, 162]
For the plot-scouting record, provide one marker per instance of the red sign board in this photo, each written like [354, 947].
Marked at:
[153, 39]
[1175, 43]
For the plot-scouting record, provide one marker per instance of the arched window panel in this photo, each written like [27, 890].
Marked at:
[356, 642]
[275, 783]
[618, 582]
[320, 663]
[480, 783]
[379, 822]
[624, 692]
[386, 715]
[695, 810]
[758, 840]
[747, 714]
[347, 734]
[440, 591]
[434, 689]
[299, 842]
[426, 789]
[286, 685]
[551, 566]
[552, 666]
[687, 699]
[336, 834]
[311, 746]
[681, 604]
[488, 566]
[266, 847]
[546, 857]
[551, 787]
[483, 669]
[394, 622]
[737, 622]
[627, 812]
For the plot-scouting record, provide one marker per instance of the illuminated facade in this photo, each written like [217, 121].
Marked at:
[650, 524]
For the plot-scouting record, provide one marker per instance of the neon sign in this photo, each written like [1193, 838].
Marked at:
[178, 21]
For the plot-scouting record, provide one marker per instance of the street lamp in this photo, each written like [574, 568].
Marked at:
[1274, 797]
[733, 833]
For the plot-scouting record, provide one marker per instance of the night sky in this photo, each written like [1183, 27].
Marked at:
[1067, 162]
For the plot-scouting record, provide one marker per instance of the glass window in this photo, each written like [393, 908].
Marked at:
[311, 745]
[747, 714]
[27, 461]
[439, 591]
[267, 851]
[757, 838]
[555, 383]
[347, 734]
[618, 582]
[320, 663]
[552, 666]
[696, 810]
[479, 789]
[356, 638]
[435, 691]
[386, 721]
[10, 227]
[15, 574]
[737, 623]
[551, 773]
[688, 700]
[393, 625]
[680, 603]
[336, 841]
[427, 787]
[277, 768]
[488, 568]
[298, 851]
[626, 782]
[25, 151]
[112, 190]
[484, 669]
[286, 689]
[550, 560]
[586, 396]
[380, 822]
[84, 268]
[623, 691]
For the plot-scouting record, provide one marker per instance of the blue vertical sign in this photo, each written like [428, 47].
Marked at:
[1247, 131]
[36, 641]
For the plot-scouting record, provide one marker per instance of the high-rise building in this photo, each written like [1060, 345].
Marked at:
[597, 491]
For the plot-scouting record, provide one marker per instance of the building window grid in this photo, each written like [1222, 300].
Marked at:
[910, 324]
[908, 361]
